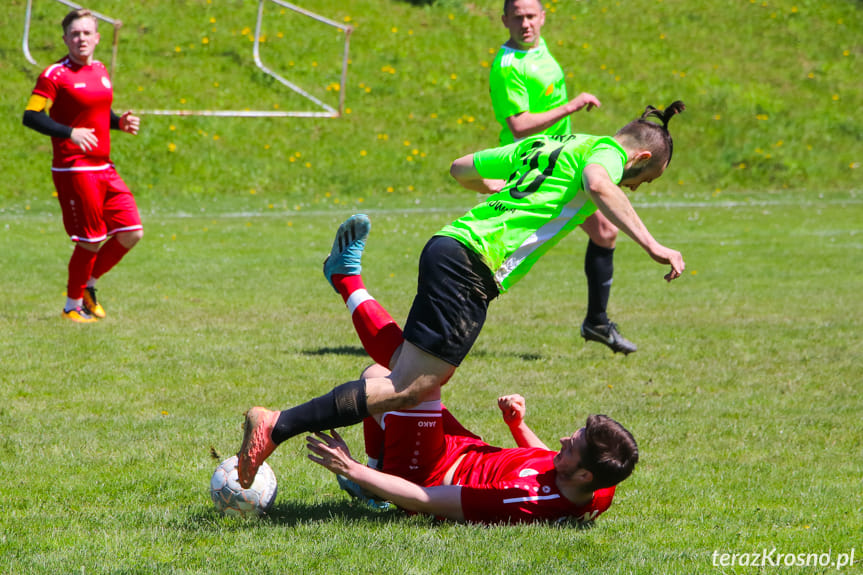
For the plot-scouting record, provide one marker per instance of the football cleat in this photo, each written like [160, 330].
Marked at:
[257, 445]
[92, 304]
[347, 252]
[607, 333]
[79, 315]
[361, 495]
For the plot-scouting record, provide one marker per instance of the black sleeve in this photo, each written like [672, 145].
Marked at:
[115, 121]
[42, 123]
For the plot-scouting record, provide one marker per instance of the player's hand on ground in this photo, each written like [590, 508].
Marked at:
[330, 451]
[130, 123]
[513, 409]
[585, 100]
[84, 138]
[670, 257]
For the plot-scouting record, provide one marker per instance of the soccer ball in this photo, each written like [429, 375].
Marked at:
[231, 499]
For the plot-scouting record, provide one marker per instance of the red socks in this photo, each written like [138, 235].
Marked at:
[80, 269]
[110, 255]
[379, 334]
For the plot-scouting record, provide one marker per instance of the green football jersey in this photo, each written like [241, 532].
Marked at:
[527, 81]
[543, 199]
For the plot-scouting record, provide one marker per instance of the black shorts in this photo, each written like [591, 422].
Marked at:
[454, 289]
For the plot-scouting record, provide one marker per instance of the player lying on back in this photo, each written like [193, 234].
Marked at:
[431, 464]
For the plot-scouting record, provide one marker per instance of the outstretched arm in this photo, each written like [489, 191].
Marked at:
[332, 452]
[514, 410]
[527, 124]
[613, 203]
[467, 175]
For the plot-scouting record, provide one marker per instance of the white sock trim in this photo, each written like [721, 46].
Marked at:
[357, 298]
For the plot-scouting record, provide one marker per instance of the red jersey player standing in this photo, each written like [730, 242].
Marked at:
[72, 103]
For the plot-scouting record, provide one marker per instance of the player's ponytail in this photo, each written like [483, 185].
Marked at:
[664, 116]
[650, 135]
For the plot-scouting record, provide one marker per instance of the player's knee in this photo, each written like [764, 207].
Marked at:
[129, 239]
[375, 370]
[604, 234]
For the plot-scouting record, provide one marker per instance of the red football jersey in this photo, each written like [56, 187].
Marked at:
[82, 97]
[518, 486]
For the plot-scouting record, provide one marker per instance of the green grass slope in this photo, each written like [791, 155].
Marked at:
[772, 88]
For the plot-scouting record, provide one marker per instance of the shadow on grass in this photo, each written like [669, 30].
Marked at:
[341, 350]
[290, 514]
[481, 353]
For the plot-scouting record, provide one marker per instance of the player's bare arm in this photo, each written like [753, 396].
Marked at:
[514, 409]
[465, 173]
[613, 203]
[527, 124]
[331, 452]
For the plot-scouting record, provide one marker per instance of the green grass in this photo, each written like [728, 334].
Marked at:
[745, 392]
[744, 395]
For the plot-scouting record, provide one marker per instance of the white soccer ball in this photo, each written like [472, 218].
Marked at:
[231, 499]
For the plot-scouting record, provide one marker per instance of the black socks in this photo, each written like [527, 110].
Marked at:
[599, 269]
[343, 406]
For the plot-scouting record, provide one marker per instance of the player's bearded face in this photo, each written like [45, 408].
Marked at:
[81, 39]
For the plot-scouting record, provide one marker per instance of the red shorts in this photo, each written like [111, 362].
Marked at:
[420, 445]
[96, 204]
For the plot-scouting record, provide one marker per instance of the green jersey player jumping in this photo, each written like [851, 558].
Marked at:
[539, 190]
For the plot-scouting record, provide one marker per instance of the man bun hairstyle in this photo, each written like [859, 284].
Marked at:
[649, 135]
[610, 452]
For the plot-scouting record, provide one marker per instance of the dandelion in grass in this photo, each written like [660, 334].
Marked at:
[172, 147]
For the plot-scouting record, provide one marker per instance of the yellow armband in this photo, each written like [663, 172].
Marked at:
[39, 103]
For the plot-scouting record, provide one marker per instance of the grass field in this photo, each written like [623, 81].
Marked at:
[745, 394]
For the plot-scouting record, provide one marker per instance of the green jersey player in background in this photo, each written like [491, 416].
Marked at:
[528, 94]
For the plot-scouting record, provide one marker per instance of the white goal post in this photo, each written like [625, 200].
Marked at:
[324, 110]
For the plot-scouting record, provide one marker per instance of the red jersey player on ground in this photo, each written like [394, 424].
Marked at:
[428, 463]
[72, 103]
